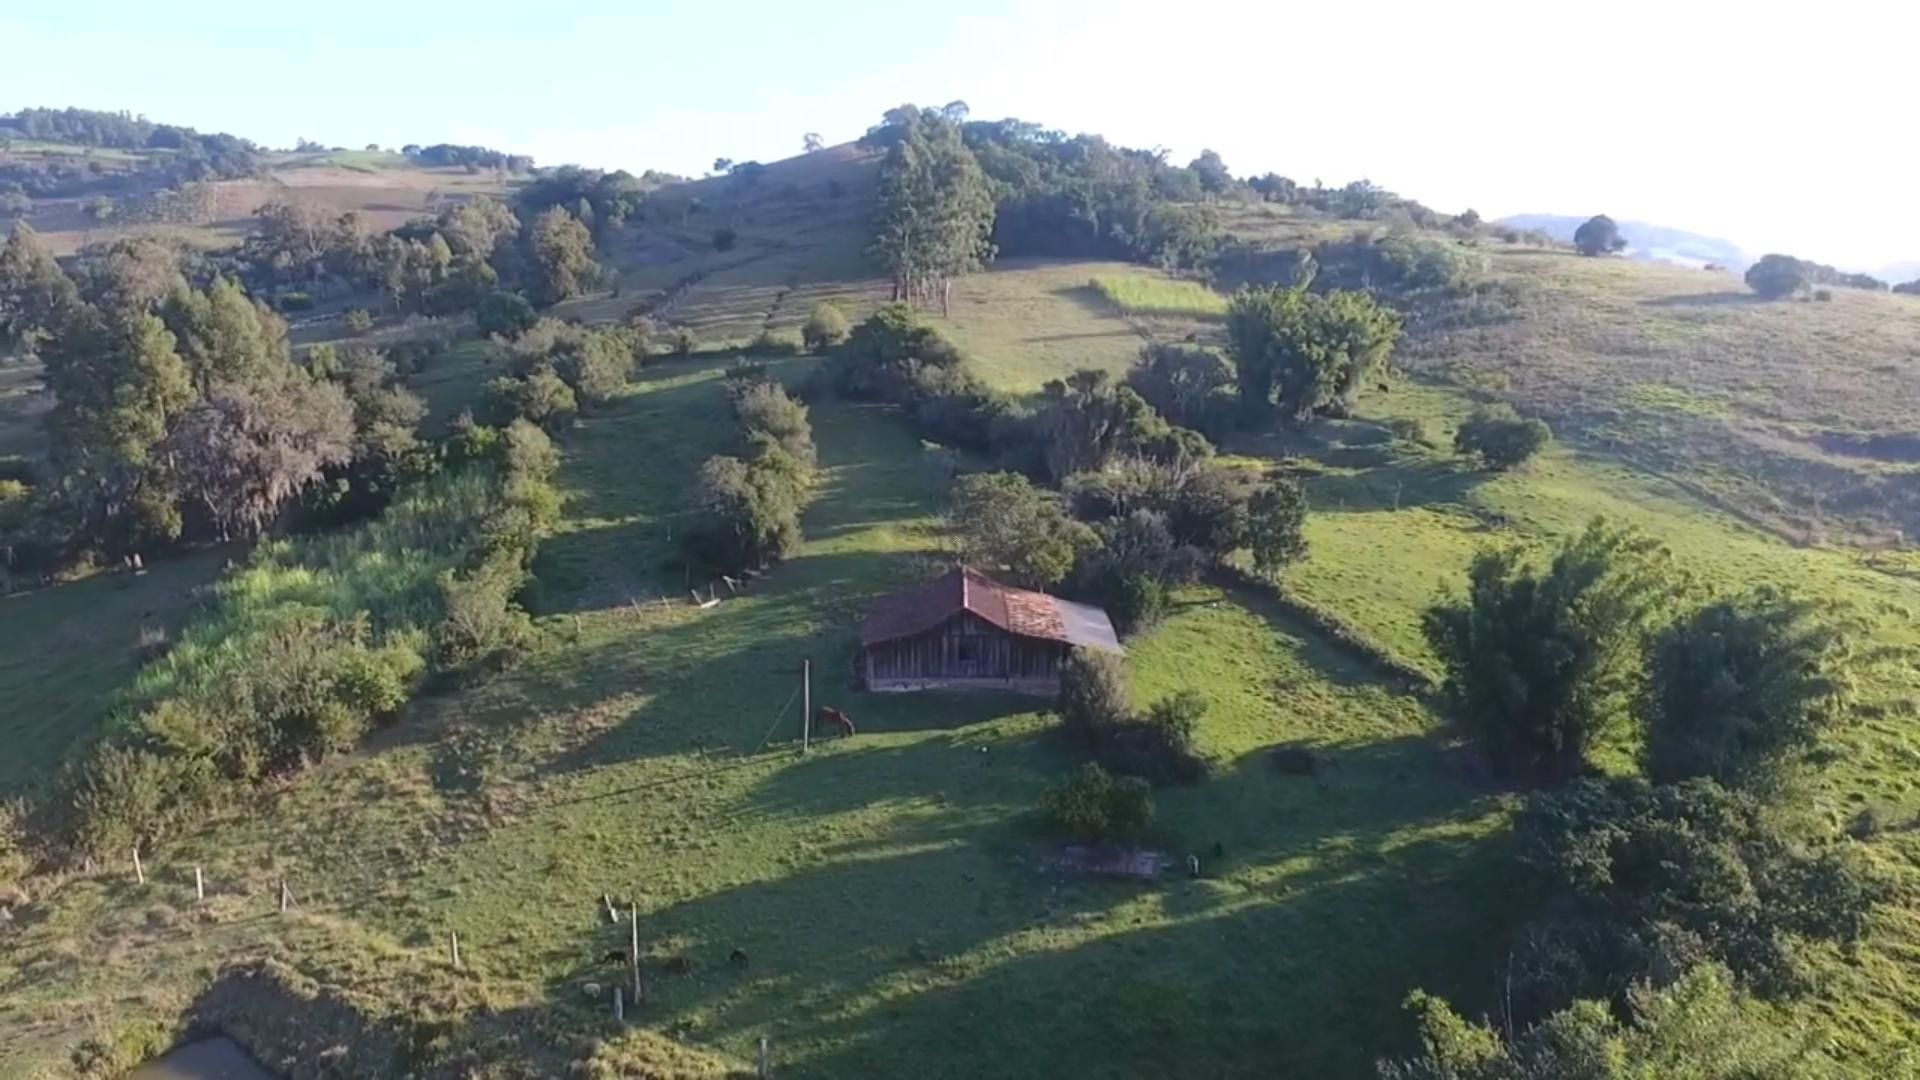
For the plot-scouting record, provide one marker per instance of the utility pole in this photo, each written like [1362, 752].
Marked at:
[806, 704]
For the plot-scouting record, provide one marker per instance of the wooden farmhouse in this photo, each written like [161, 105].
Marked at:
[968, 631]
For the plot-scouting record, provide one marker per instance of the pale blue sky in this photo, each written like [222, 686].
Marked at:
[1790, 131]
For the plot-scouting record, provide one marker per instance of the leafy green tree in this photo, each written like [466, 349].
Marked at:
[1309, 352]
[559, 257]
[246, 450]
[934, 213]
[1499, 438]
[225, 336]
[1093, 805]
[826, 326]
[540, 396]
[1086, 421]
[1598, 235]
[505, 314]
[1190, 385]
[748, 516]
[1212, 171]
[1004, 523]
[1638, 881]
[1542, 663]
[1777, 276]
[1701, 1027]
[37, 298]
[1276, 526]
[1740, 684]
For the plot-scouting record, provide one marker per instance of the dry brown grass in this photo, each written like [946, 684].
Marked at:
[1799, 417]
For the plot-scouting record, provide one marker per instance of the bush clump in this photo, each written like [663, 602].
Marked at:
[749, 503]
[1093, 806]
[1500, 438]
[1096, 713]
[826, 327]
[506, 314]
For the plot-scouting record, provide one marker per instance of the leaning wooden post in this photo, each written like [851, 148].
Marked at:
[633, 949]
[139, 872]
[806, 704]
[199, 886]
[286, 896]
[453, 943]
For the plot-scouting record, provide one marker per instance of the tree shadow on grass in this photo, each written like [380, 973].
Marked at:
[949, 943]
[1402, 483]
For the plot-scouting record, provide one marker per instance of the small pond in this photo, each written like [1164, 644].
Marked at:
[218, 1058]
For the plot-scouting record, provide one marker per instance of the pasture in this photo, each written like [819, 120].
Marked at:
[902, 912]
[1142, 294]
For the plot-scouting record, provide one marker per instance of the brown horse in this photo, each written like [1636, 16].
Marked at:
[830, 717]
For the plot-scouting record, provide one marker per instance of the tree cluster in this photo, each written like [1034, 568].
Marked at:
[1776, 277]
[285, 669]
[450, 155]
[179, 411]
[933, 219]
[1305, 353]
[1644, 890]
[1701, 1027]
[1544, 663]
[749, 503]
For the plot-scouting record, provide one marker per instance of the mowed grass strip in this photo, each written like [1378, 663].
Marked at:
[1139, 294]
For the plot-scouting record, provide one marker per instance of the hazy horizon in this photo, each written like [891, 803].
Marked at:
[1706, 117]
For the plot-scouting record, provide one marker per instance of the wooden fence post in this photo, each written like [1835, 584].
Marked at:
[619, 1006]
[286, 896]
[139, 872]
[633, 950]
[199, 886]
[453, 943]
[766, 1059]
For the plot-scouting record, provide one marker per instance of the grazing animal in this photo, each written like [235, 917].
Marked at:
[679, 965]
[830, 717]
[614, 956]
[738, 958]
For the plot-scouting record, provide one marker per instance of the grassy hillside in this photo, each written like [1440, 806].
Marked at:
[386, 190]
[902, 913]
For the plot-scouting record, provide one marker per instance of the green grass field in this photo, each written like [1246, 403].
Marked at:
[1142, 294]
[903, 913]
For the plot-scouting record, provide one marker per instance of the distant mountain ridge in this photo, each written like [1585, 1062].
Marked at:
[1658, 243]
[1647, 242]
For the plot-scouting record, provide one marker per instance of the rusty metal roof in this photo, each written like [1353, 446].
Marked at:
[1017, 611]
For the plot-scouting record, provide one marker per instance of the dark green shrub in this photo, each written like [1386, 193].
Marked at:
[1543, 662]
[1093, 694]
[683, 342]
[1094, 806]
[541, 396]
[482, 625]
[1410, 429]
[358, 321]
[1158, 746]
[724, 239]
[505, 314]
[296, 301]
[1778, 276]
[1499, 438]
